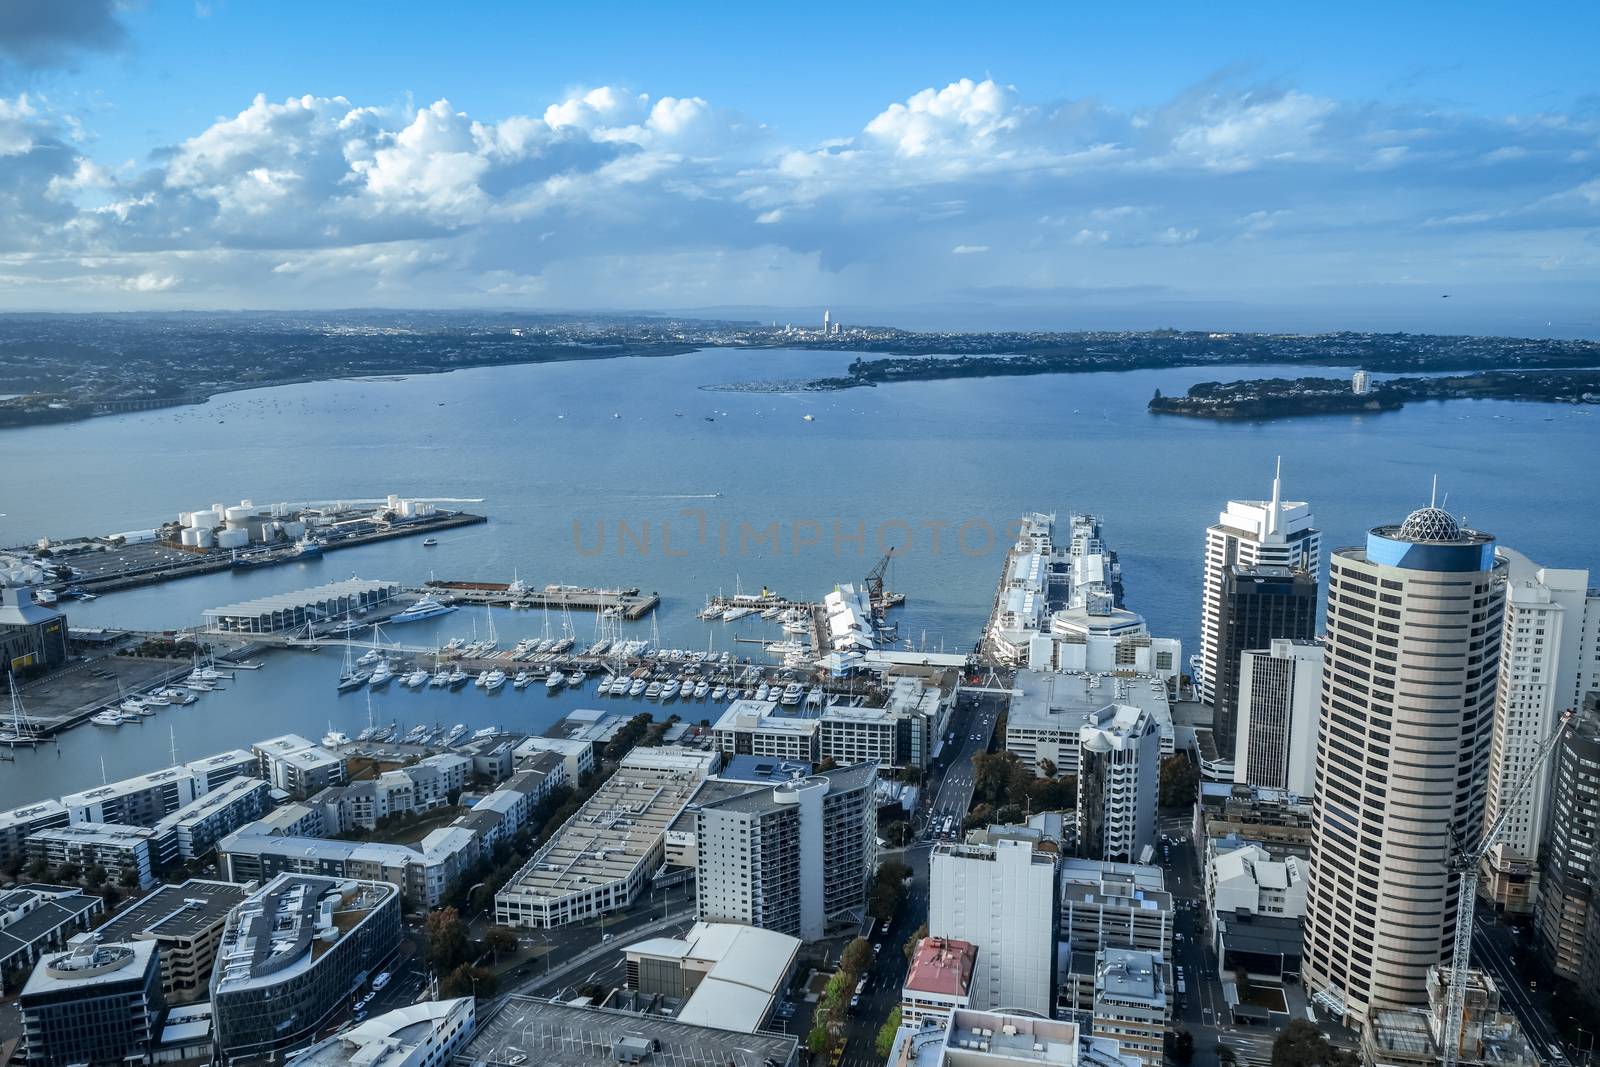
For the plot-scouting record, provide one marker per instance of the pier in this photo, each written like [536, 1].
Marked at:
[630, 604]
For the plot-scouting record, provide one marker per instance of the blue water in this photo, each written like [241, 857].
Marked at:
[541, 445]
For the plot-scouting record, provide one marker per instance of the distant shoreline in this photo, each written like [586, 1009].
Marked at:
[1267, 399]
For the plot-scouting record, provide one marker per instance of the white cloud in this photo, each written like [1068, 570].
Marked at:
[968, 250]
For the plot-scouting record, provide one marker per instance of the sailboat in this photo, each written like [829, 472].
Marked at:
[20, 730]
[351, 678]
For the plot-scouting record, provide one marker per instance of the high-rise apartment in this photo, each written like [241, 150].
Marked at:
[1548, 661]
[1119, 757]
[1250, 533]
[1412, 655]
[1280, 689]
[1000, 897]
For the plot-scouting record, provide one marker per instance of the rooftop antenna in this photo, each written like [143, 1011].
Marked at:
[1272, 515]
[1433, 500]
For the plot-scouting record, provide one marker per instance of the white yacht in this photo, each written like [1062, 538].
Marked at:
[109, 717]
[494, 680]
[637, 687]
[334, 739]
[575, 678]
[482, 681]
[521, 680]
[792, 693]
[156, 700]
[763, 691]
[455, 733]
[487, 731]
[701, 690]
[670, 690]
[426, 608]
[720, 693]
[416, 679]
[440, 678]
[555, 681]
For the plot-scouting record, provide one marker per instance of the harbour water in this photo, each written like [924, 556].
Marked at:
[569, 456]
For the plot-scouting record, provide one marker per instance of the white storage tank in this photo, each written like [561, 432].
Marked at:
[294, 530]
[190, 536]
[203, 537]
[233, 537]
[237, 516]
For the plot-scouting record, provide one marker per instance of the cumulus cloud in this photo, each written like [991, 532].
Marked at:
[660, 199]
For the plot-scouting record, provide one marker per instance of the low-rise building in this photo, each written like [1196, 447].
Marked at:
[212, 771]
[1130, 1002]
[1241, 876]
[426, 876]
[119, 849]
[193, 831]
[527, 1030]
[32, 635]
[186, 921]
[1275, 818]
[36, 919]
[938, 982]
[96, 1003]
[576, 754]
[297, 766]
[1046, 718]
[1122, 905]
[770, 729]
[138, 801]
[18, 823]
[291, 955]
[601, 858]
[416, 1035]
[1413, 1037]
[1001, 1039]
[723, 975]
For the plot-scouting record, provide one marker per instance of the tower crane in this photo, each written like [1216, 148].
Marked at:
[1466, 862]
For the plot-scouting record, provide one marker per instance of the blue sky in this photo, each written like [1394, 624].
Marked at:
[1233, 166]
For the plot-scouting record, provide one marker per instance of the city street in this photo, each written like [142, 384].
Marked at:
[951, 780]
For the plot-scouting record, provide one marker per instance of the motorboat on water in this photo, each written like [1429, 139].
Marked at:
[555, 681]
[763, 691]
[521, 680]
[109, 717]
[440, 678]
[369, 658]
[156, 700]
[352, 679]
[181, 697]
[482, 680]
[382, 675]
[652, 691]
[575, 679]
[670, 690]
[455, 733]
[417, 733]
[701, 690]
[459, 677]
[792, 694]
[637, 687]
[494, 680]
[487, 731]
[427, 608]
[416, 679]
[737, 612]
[720, 693]
[430, 542]
[334, 739]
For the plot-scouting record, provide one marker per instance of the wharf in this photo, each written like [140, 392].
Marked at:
[630, 604]
[156, 563]
[67, 697]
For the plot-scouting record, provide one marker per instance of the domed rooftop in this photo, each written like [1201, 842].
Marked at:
[1430, 524]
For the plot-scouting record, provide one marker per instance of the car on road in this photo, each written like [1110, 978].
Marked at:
[877, 948]
[380, 981]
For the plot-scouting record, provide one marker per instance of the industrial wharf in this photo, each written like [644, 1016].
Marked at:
[630, 604]
[164, 563]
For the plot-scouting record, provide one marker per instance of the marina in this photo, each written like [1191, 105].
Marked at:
[626, 603]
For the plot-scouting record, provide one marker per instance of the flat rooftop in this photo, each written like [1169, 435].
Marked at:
[178, 912]
[549, 1034]
[274, 932]
[1065, 700]
[1031, 1040]
[307, 598]
[616, 829]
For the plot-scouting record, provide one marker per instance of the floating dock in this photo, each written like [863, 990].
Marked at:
[630, 603]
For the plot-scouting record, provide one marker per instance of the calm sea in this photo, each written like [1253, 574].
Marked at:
[627, 472]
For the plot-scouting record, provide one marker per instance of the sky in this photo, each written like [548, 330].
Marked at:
[1066, 165]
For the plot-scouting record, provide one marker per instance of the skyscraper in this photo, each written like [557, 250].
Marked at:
[1280, 690]
[1258, 605]
[1412, 655]
[1119, 753]
[1000, 897]
[1567, 926]
[1250, 533]
[1547, 664]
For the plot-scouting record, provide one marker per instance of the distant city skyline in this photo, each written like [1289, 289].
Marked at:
[1427, 169]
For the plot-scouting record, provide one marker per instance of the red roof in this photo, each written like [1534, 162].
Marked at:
[942, 965]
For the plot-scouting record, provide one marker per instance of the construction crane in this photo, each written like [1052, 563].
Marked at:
[877, 600]
[1466, 862]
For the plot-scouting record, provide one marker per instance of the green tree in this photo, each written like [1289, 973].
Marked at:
[1183, 1047]
[885, 1039]
[447, 940]
[857, 957]
[129, 879]
[1301, 1044]
[38, 869]
[466, 981]
[95, 877]
[498, 939]
[817, 1039]
[1225, 1053]
[1180, 782]
[68, 873]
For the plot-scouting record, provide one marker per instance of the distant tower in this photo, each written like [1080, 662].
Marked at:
[1361, 383]
[1251, 533]
[827, 322]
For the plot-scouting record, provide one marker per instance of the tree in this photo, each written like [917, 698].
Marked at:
[467, 981]
[448, 945]
[1225, 1053]
[885, 1040]
[38, 869]
[817, 1039]
[1180, 782]
[68, 872]
[129, 879]
[910, 948]
[95, 877]
[498, 939]
[112, 896]
[1047, 768]
[1183, 1047]
[896, 834]
[857, 957]
[1301, 1044]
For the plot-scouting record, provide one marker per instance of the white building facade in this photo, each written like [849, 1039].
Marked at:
[1001, 898]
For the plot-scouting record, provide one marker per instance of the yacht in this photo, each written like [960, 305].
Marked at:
[156, 700]
[440, 678]
[417, 734]
[382, 675]
[455, 733]
[416, 679]
[670, 690]
[772, 612]
[487, 731]
[555, 681]
[521, 680]
[763, 691]
[652, 691]
[426, 608]
[482, 681]
[636, 687]
[575, 678]
[817, 697]
[459, 677]
[701, 690]
[131, 706]
[334, 739]
[720, 693]
[792, 693]
[736, 613]
[109, 717]
[429, 542]
[494, 680]
[368, 658]
[180, 697]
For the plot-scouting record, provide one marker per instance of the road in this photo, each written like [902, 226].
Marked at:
[885, 978]
[950, 781]
[1492, 950]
